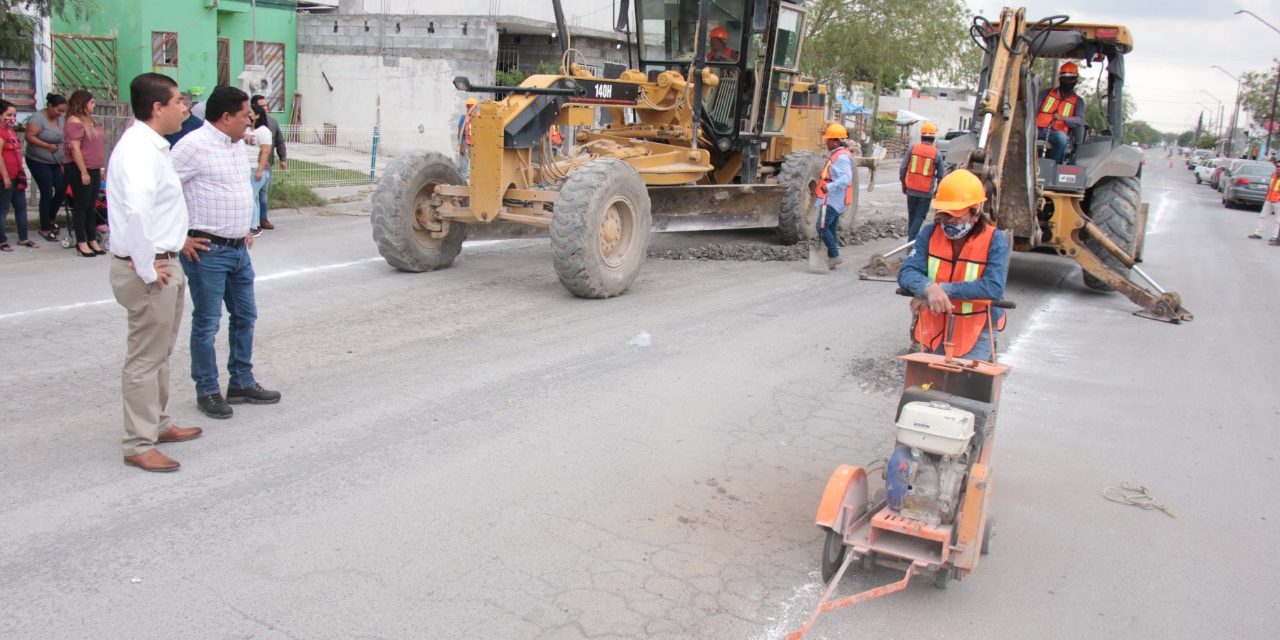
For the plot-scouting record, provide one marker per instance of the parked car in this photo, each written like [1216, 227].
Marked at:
[1198, 156]
[1247, 184]
[1215, 178]
[1232, 166]
[1205, 169]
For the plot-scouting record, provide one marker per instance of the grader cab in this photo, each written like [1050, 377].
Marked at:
[712, 131]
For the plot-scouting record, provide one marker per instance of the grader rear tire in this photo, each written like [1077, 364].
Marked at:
[1113, 205]
[797, 216]
[600, 230]
[402, 211]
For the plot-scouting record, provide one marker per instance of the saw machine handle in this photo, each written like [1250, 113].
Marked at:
[999, 304]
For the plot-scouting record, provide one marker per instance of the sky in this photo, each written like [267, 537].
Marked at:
[1175, 42]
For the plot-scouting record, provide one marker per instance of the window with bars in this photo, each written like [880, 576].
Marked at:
[271, 56]
[164, 49]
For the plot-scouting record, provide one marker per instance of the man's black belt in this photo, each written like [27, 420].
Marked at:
[229, 242]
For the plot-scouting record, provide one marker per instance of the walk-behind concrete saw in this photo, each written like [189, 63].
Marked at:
[933, 515]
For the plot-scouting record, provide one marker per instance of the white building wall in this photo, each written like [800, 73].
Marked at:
[589, 14]
[946, 114]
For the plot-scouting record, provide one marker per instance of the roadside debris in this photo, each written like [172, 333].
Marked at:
[1137, 496]
[764, 252]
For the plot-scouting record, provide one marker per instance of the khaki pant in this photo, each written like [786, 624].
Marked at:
[155, 314]
[1268, 209]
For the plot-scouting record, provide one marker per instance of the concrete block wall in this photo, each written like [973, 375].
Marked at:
[401, 66]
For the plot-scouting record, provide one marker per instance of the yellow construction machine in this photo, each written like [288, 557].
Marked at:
[1088, 208]
[711, 131]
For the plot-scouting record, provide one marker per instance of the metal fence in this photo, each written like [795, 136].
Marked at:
[331, 155]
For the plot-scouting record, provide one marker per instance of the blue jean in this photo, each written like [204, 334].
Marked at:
[1058, 142]
[223, 275]
[53, 190]
[917, 211]
[18, 198]
[259, 195]
[981, 349]
[262, 196]
[829, 232]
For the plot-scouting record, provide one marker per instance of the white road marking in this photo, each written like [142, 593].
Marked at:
[514, 243]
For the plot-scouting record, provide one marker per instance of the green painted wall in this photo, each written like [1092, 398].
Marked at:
[132, 21]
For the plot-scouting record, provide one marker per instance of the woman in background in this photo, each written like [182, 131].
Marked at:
[45, 136]
[87, 146]
[258, 142]
[13, 182]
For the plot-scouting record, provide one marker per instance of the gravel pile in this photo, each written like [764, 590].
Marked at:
[758, 251]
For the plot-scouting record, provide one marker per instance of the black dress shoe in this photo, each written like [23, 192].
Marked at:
[253, 395]
[214, 406]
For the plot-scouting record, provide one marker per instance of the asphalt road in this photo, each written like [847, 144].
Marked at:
[473, 453]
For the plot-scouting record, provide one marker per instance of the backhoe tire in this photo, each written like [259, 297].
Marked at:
[1113, 205]
[798, 215]
[600, 230]
[401, 211]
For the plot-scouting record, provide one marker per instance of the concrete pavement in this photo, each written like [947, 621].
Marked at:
[473, 453]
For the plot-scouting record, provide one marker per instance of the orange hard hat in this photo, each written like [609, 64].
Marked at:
[720, 32]
[1069, 69]
[959, 190]
[929, 129]
[471, 102]
[835, 131]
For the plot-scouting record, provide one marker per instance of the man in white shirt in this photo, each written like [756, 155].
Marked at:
[148, 227]
[215, 181]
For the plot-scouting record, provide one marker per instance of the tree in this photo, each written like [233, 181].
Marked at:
[886, 42]
[1141, 132]
[20, 20]
[1184, 138]
[1256, 89]
[1207, 141]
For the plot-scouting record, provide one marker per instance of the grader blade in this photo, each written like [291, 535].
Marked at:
[715, 207]
[883, 269]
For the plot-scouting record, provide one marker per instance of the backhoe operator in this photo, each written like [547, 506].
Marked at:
[1061, 110]
[720, 51]
[958, 260]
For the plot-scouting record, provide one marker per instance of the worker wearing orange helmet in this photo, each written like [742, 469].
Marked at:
[834, 192]
[1060, 111]
[958, 263]
[719, 47]
[464, 136]
[920, 172]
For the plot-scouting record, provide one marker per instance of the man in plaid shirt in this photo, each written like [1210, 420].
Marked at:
[215, 182]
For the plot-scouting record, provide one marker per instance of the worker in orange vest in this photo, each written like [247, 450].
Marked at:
[557, 140]
[1061, 110]
[920, 172]
[1269, 206]
[834, 192]
[959, 263]
[720, 51]
[464, 136]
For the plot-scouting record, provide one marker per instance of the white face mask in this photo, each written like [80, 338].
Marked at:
[957, 231]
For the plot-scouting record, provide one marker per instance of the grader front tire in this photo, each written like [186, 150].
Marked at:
[600, 230]
[403, 214]
[797, 216]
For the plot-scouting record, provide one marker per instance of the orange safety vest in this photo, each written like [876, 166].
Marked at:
[1055, 103]
[920, 168]
[821, 189]
[556, 138]
[970, 316]
[1273, 189]
[726, 55]
[466, 126]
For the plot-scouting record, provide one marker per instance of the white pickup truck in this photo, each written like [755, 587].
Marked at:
[1205, 169]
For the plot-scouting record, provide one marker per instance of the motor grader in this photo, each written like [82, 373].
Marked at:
[702, 135]
[1088, 208]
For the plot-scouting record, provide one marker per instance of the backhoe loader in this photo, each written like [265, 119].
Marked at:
[1088, 208]
[694, 138]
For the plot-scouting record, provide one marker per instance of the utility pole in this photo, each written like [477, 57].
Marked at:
[1235, 113]
[1271, 125]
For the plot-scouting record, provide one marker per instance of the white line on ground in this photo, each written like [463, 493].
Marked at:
[515, 243]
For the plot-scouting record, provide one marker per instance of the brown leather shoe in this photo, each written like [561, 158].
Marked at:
[266, 224]
[180, 434]
[152, 460]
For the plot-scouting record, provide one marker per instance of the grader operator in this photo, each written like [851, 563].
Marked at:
[709, 132]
